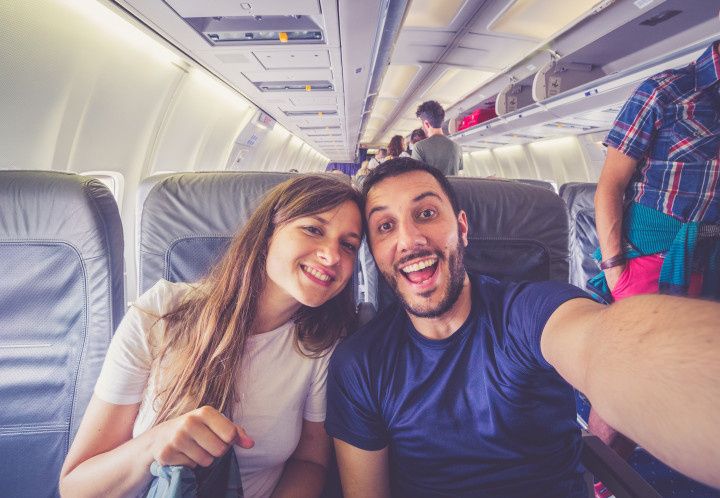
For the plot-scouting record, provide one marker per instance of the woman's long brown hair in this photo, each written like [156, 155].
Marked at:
[395, 147]
[204, 337]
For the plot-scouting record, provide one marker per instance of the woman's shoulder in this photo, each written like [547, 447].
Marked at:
[285, 337]
[163, 297]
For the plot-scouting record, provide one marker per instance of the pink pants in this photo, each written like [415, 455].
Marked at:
[641, 276]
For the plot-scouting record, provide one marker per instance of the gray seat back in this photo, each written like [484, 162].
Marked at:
[188, 219]
[516, 231]
[61, 297]
[579, 198]
[537, 183]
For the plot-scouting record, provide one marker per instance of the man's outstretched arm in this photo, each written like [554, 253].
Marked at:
[650, 366]
[363, 473]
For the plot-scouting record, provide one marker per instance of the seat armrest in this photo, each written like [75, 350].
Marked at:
[613, 471]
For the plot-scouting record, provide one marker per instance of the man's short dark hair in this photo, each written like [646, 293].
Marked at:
[432, 112]
[402, 165]
[417, 135]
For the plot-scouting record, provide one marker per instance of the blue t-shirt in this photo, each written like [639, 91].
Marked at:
[480, 413]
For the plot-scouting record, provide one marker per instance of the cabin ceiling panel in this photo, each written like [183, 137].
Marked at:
[290, 75]
[325, 120]
[359, 25]
[500, 51]
[454, 84]
[414, 54]
[314, 109]
[383, 107]
[312, 99]
[242, 66]
[468, 57]
[397, 80]
[278, 100]
[295, 59]
[241, 58]
[212, 8]
[539, 19]
[411, 40]
[408, 123]
[432, 14]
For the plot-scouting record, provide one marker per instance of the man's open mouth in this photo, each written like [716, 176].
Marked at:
[421, 270]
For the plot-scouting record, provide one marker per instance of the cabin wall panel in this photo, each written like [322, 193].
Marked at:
[561, 160]
[263, 152]
[513, 162]
[482, 163]
[311, 160]
[201, 126]
[594, 152]
[280, 159]
[294, 155]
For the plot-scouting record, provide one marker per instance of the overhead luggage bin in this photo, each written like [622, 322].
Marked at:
[593, 69]
[557, 77]
[514, 97]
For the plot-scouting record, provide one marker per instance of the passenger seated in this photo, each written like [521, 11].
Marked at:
[465, 387]
[237, 361]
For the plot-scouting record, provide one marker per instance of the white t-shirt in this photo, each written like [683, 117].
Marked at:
[277, 389]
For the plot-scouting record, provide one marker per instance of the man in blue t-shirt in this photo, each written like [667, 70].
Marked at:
[462, 388]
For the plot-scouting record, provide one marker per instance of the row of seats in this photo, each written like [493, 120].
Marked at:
[61, 296]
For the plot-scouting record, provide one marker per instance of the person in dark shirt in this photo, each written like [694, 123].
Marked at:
[463, 388]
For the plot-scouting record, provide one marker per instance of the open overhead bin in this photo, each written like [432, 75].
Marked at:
[592, 70]
[559, 76]
[514, 97]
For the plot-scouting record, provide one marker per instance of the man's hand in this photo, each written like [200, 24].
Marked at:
[612, 275]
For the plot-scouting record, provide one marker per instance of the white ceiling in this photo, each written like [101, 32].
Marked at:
[459, 52]
[318, 117]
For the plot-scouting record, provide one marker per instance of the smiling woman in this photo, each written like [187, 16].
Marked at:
[278, 297]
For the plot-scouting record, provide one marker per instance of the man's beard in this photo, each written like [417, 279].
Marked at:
[452, 290]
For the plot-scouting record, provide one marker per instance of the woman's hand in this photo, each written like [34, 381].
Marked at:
[196, 438]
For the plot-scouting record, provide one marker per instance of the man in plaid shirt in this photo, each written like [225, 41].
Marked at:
[657, 203]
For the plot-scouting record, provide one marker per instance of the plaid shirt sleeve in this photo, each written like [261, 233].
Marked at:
[638, 121]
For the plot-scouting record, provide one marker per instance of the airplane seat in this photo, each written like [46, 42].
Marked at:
[188, 219]
[580, 200]
[186, 223]
[516, 232]
[61, 298]
[536, 183]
